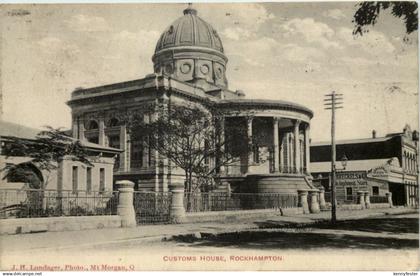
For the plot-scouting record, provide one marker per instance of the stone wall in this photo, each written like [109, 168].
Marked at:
[56, 224]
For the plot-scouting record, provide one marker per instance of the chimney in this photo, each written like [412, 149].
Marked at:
[373, 133]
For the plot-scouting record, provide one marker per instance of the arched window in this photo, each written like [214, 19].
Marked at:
[113, 122]
[92, 125]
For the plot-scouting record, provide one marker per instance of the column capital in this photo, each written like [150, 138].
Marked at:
[276, 119]
[249, 119]
[296, 122]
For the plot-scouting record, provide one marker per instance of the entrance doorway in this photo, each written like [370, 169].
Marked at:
[398, 196]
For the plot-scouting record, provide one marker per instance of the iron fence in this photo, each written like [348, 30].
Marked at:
[378, 199]
[152, 207]
[204, 202]
[31, 203]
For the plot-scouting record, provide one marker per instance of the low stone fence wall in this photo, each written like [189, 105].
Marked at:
[240, 214]
[56, 224]
[350, 207]
[379, 205]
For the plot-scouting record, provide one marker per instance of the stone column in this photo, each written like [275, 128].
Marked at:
[307, 148]
[74, 128]
[389, 197]
[361, 199]
[123, 146]
[303, 200]
[367, 200]
[282, 146]
[250, 143]
[322, 203]
[177, 210]
[314, 206]
[81, 129]
[101, 138]
[296, 146]
[289, 153]
[125, 208]
[276, 144]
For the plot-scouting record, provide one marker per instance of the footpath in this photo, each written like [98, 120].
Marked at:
[149, 233]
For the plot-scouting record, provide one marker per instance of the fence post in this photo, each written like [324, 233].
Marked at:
[177, 211]
[125, 208]
[322, 203]
[361, 199]
[367, 200]
[314, 207]
[303, 200]
[389, 197]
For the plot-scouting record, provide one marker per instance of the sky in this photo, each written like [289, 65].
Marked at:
[282, 51]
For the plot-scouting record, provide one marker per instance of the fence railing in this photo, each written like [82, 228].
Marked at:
[378, 199]
[152, 207]
[31, 203]
[204, 202]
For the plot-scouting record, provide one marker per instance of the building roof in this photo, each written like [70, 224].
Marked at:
[8, 129]
[353, 141]
[266, 103]
[189, 30]
[352, 165]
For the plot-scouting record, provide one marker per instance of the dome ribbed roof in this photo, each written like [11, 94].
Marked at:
[190, 30]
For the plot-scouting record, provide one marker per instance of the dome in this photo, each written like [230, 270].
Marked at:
[190, 30]
[190, 50]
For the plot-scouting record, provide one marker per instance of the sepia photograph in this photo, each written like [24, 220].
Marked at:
[244, 136]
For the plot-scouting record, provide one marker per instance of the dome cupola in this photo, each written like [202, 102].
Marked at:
[191, 50]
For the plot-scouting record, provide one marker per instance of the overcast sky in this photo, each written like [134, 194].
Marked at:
[286, 51]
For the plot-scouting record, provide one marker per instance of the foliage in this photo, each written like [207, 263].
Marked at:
[368, 13]
[192, 139]
[45, 151]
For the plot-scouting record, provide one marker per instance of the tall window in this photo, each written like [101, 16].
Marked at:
[114, 142]
[89, 179]
[206, 151]
[136, 154]
[101, 179]
[75, 179]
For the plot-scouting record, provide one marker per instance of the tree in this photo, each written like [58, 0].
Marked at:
[368, 13]
[192, 139]
[45, 151]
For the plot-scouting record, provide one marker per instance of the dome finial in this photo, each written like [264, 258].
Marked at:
[190, 10]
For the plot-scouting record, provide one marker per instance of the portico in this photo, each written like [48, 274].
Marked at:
[278, 133]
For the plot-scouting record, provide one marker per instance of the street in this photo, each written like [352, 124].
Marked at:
[368, 241]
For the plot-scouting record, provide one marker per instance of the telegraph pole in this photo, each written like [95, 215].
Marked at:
[332, 102]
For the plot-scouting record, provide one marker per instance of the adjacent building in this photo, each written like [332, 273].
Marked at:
[70, 175]
[377, 165]
[189, 66]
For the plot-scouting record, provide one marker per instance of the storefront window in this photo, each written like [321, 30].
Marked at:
[349, 193]
[375, 190]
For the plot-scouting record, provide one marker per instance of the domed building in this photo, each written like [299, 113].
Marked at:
[189, 65]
